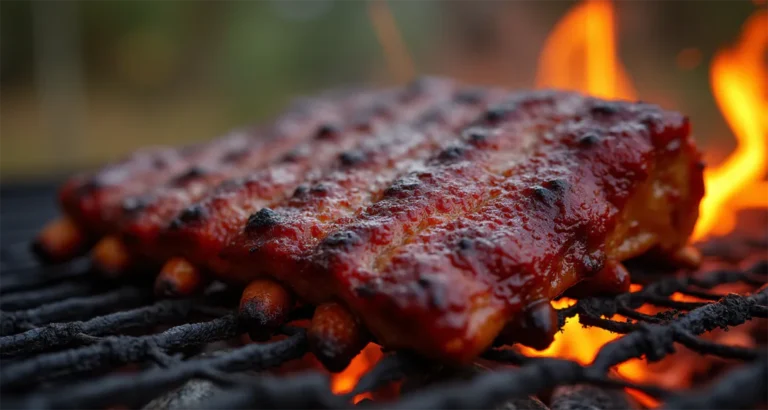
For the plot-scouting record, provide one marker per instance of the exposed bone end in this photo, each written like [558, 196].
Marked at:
[335, 336]
[687, 257]
[179, 278]
[111, 257]
[59, 241]
[264, 306]
[613, 279]
[534, 327]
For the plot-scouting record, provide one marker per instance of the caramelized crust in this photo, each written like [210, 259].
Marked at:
[540, 226]
[452, 190]
[335, 336]
[174, 203]
[358, 179]
[540, 193]
[224, 211]
[96, 201]
[264, 306]
[179, 278]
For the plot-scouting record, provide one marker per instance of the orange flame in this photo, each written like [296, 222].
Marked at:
[581, 344]
[580, 54]
[738, 77]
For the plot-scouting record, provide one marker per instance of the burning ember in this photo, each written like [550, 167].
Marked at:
[345, 381]
[581, 54]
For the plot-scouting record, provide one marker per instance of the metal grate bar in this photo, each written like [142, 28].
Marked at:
[74, 308]
[32, 276]
[113, 351]
[33, 298]
[133, 389]
[656, 341]
[742, 388]
[62, 334]
[301, 391]
[703, 346]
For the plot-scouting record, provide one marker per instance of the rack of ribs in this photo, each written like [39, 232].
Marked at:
[93, 203]
[183, 200]
[345, 184]
[541, 192]
[443, 227]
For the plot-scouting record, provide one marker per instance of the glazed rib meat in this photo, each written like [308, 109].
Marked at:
[436, 217]
[95, 201]
[541, 192]
[246, 187]
[355, 178]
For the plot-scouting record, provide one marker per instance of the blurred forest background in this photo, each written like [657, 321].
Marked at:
[82, 83]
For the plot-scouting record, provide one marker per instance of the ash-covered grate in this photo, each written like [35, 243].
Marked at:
[71, 340]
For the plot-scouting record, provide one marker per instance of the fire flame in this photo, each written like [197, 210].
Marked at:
[738, 77]
[580, 54]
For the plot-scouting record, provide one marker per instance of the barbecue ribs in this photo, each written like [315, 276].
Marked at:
[95, 203]
[443, 221]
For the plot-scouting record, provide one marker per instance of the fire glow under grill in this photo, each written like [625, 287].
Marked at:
[60, 346]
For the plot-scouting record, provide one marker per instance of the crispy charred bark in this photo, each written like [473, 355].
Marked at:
[227, 206]
[174, 206]
[313, 210]
[500, 223]
[534, 327]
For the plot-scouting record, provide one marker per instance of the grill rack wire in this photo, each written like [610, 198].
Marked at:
[63, 332]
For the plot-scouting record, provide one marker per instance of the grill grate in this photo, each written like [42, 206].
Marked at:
[63, 333]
